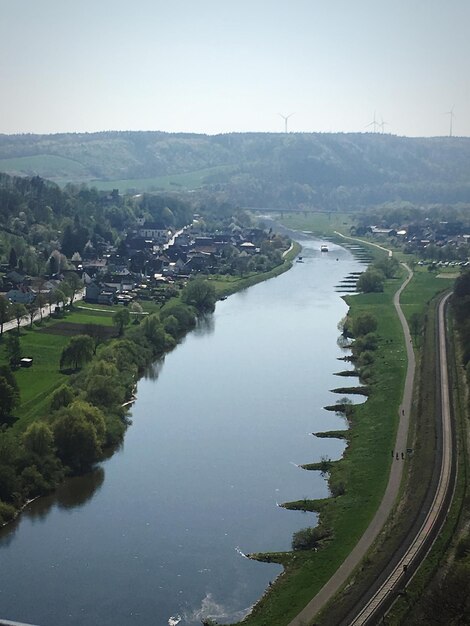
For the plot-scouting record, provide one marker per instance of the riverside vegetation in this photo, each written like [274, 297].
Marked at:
[69, 416]
[358, 480]
[83, 412]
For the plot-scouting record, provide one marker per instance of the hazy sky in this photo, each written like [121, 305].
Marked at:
[212, 66]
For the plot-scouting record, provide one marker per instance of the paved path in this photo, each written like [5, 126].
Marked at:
[357, 554]
[44, 312]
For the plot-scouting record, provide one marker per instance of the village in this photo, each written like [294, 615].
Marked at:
[150, 263]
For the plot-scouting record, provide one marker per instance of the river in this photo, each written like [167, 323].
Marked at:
[156, 535]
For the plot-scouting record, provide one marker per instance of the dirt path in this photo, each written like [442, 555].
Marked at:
[357, 554]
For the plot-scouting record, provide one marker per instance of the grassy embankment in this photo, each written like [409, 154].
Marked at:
[363, 471]
[45, 346]
[412, 608]
[418, 297]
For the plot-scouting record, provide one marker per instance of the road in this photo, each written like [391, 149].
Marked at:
[44, 312]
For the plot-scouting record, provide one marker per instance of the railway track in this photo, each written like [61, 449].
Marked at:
[423, 540]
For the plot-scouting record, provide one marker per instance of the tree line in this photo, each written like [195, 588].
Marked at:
[87, 414]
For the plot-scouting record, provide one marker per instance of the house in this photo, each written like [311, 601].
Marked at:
[98, 294]
[249, 247]
[15, 277]
[198, 262]
[150, 230]
[21, 295]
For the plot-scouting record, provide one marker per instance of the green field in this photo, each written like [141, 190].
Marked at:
[45, 165]
[175, 182]
[39, 381]
[321, 223]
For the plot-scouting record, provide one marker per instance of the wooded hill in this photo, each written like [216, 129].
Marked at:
[314, 170]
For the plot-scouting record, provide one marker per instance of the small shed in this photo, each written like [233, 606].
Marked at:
[26, 362]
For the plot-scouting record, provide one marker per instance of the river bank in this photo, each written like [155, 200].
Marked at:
[197, 475]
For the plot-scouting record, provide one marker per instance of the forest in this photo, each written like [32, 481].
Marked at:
[322, 171]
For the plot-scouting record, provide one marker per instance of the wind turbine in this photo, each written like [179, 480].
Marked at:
[451, 114]
[374, 123]
[382, 125]
[285, 118]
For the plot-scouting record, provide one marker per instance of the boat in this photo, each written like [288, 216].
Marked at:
[324, 248]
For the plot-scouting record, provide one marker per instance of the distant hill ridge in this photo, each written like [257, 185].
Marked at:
[301, 169]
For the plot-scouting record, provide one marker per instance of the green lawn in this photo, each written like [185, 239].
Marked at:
[420, 291]
[46, 165]
[39, 381]
[322, 224]
[189, 180]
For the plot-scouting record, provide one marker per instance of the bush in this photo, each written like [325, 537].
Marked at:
[364, 324]
[7, 513]
[309, 538]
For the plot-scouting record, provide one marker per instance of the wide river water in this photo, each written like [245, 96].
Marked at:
[156, 535]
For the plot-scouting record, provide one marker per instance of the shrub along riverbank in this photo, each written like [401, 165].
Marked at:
[68, 415]
[358, 480]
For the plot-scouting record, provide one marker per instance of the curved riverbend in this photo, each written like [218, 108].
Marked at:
[219, 430]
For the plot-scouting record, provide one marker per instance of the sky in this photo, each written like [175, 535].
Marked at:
[219, 66]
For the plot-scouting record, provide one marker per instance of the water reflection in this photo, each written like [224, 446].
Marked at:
[73, 493]
[205, 325]
[78, 491]
[153, 371]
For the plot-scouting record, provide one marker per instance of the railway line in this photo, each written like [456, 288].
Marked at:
[419, 545]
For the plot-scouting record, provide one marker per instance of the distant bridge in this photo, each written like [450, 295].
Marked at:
[271, 210]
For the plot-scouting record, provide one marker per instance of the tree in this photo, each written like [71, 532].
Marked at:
[416, 323]
[308, 538]
[97, 332]
[388, 266]
[78, 352]
[183, 313]
[60, 297]
[41, 302]
[9, 399]
[61, 397]
[32, 309]
[76, 441]
[66, 292]
[171, 326]
[51, 299]
[13, 349]
[363, 324]
[6, 372]
[19, 313]
[200, 294]
[121, 318]
[38, 439]
[372, 280]
[136, 310]
[105, 391]
[5, 310]
[75, 284]
[13, 259]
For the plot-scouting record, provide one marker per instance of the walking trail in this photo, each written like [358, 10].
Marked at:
[357, 554]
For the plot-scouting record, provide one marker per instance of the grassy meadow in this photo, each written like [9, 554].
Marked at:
[44, 343]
